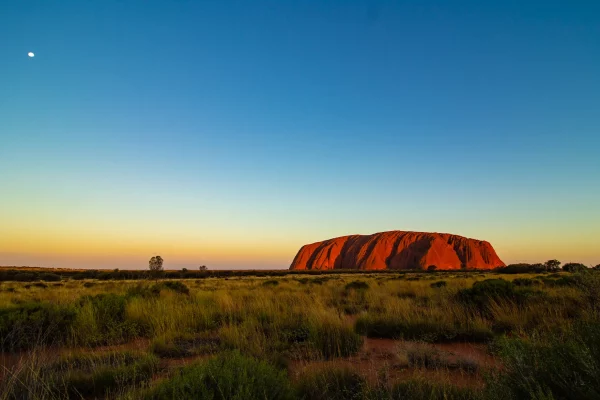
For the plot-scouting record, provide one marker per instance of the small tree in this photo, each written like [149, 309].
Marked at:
[552, 265]
[202, 268]
[156, 265]
[431, 268]
[183, 269]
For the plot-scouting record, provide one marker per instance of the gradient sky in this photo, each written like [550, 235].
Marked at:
[230, 133]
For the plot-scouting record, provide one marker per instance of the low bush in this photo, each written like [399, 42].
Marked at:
[270, 282]
[482, 293]
[525, 282]
[438, 284]
[574, 267]
[293, 328]
[357, 285]
[175, 286]
[34, 324]
[230, 376]
[101, 319]
[559, 281]
[555, 367]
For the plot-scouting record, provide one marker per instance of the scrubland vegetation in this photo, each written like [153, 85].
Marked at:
[431, 335]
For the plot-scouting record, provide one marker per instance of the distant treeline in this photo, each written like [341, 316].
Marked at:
[540, 268]
[24, 274]
[28, 275]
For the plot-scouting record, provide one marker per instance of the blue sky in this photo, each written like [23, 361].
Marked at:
[230, 133]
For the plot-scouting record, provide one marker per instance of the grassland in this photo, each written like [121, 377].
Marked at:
[438, 335]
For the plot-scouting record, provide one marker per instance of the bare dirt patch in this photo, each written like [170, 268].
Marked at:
[387, 361]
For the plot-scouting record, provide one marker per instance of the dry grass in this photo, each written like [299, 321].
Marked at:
[306, 318]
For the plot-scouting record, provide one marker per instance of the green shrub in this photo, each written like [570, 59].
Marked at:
[101, 320]
[555, 367]
[175, 286]
[484, 292]
[331, 383]
[270, 282]
[230, 376]
[574, 267]
[560, 281]
[525, 282]
[357, 285]
[438, 284]
[140, 290]
[34, 324]
[293, 328]
[588, 284]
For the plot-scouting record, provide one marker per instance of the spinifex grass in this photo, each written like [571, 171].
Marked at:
[296, 319]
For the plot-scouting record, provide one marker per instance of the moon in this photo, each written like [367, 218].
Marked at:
[30, 54]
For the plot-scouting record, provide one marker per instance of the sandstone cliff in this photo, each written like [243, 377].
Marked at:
[398, 250]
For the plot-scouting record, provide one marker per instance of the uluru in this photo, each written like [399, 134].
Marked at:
[397, 250]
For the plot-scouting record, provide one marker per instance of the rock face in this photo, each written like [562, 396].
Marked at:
[398, 250]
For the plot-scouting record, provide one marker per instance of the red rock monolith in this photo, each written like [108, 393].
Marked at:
[398, 250]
